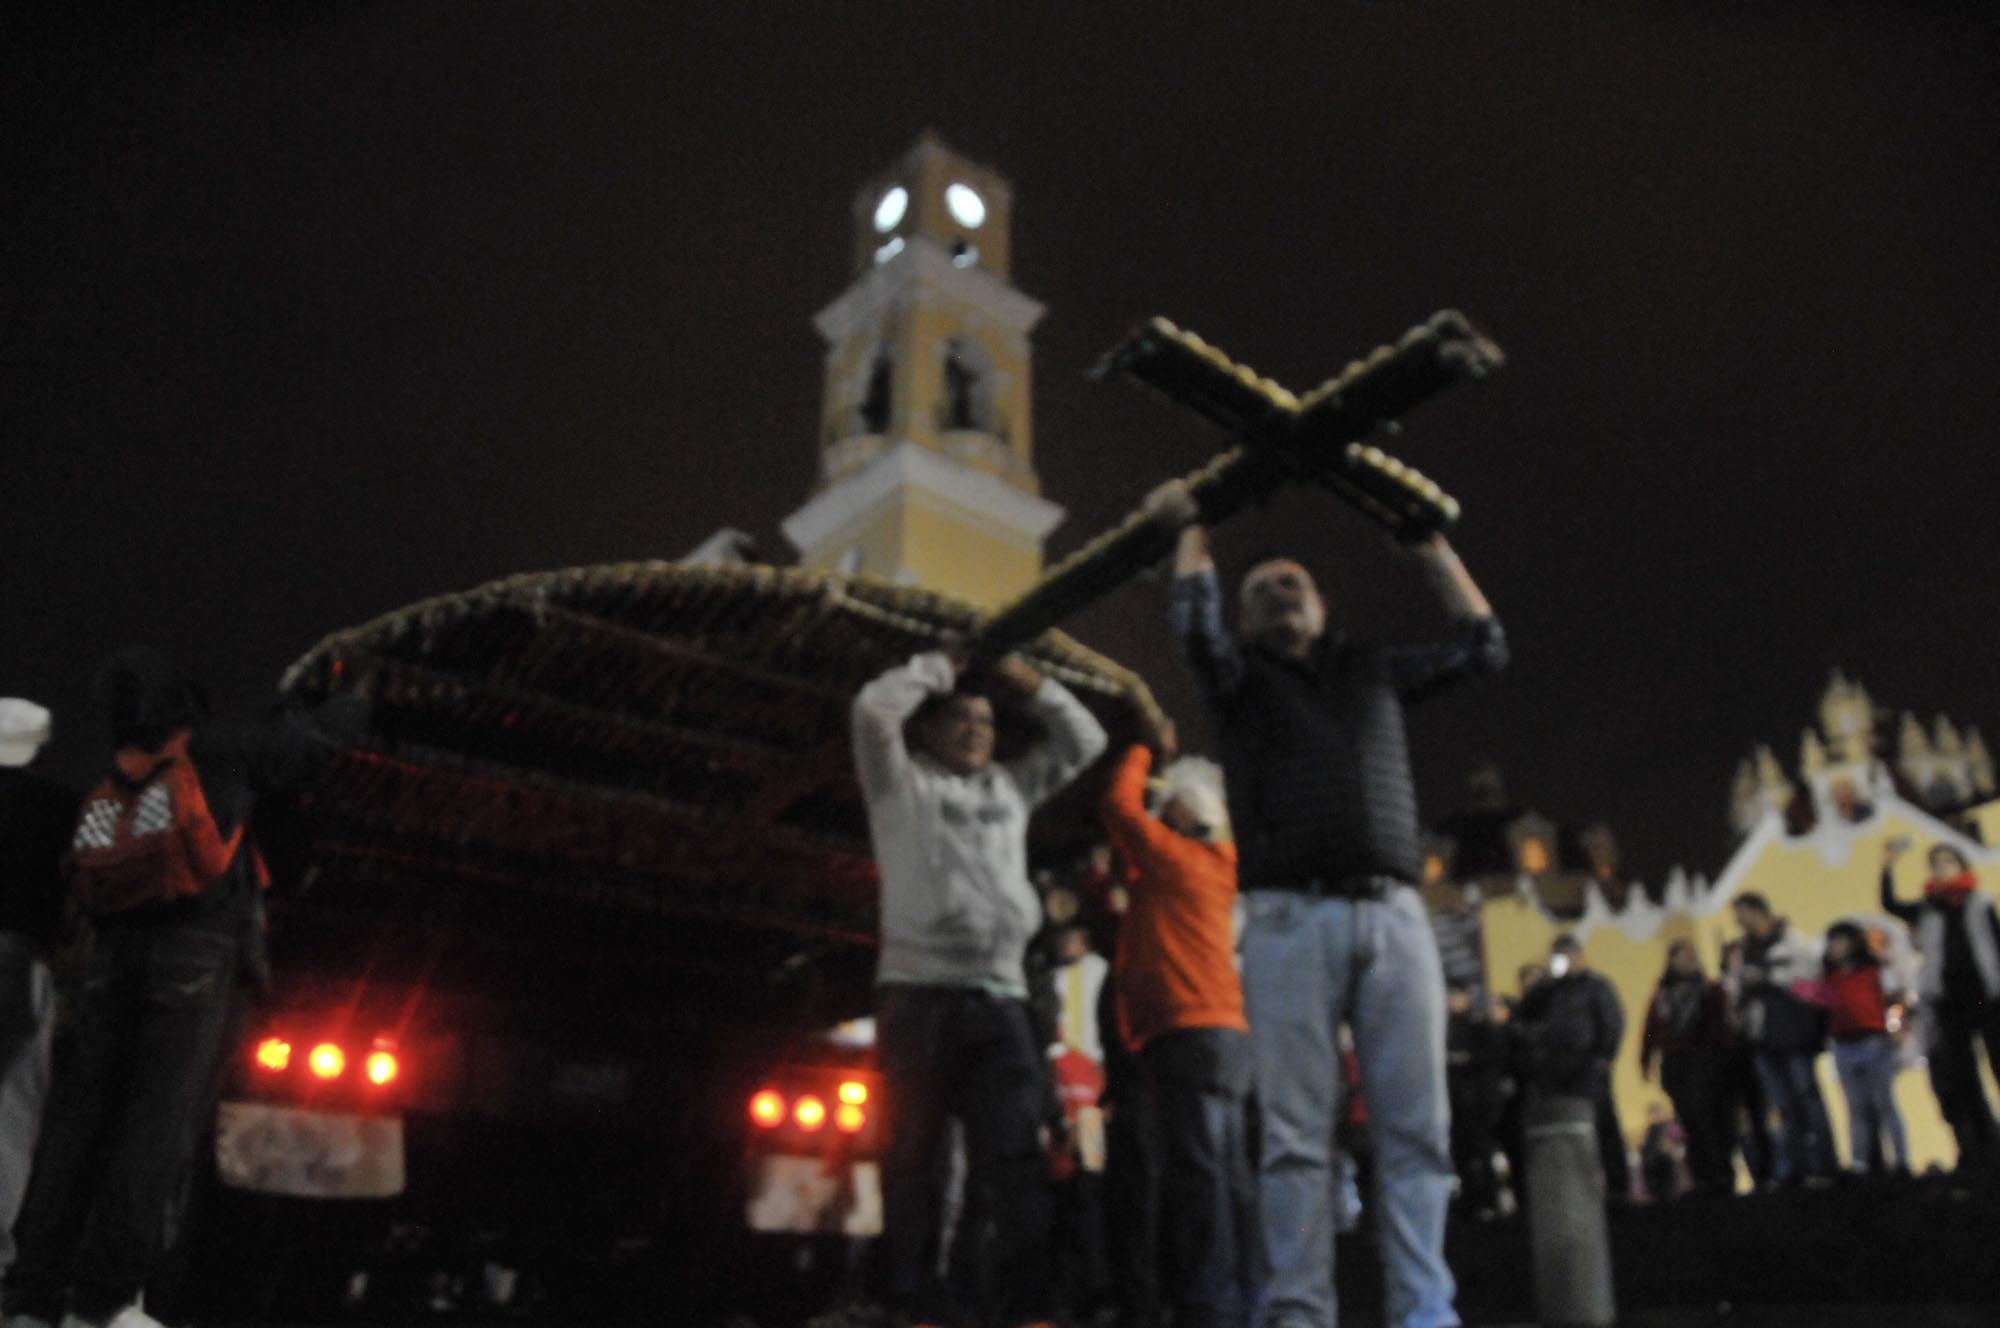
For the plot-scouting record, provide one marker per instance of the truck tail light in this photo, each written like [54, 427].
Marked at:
[850, 1118]
[327, 1061]
[382, 1067]
[854, 1093]
[274, 1054]
[767, 1108]
[810, 1113]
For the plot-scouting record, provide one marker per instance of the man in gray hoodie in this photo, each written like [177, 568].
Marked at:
[954, 1038]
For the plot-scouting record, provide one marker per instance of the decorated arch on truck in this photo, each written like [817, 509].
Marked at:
[638, 776]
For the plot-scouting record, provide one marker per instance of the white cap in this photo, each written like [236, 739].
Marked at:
[1197, 783]
[24, 727]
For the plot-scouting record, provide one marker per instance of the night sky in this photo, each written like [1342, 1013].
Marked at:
[314, 310]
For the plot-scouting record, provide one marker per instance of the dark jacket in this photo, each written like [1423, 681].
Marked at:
[37, 818]
[239, 761]
[1688, 1016]
[1776, 1019]
[1960, 943]
[1315, 750]
[1569, 1029]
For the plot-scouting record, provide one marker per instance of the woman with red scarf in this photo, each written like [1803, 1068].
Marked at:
[1959, 938]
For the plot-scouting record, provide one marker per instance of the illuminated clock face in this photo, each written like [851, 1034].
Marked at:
[890, 210]
[967, 207]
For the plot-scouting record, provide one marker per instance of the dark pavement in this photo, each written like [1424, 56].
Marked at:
[1913, 1254]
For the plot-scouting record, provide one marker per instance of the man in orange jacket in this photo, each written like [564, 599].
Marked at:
[1180, 1006]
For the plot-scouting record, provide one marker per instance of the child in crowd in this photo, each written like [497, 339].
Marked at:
[1860, 995]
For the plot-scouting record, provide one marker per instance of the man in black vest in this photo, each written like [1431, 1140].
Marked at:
[1320, 793]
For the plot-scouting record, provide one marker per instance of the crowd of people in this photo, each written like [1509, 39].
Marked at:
[1737, 1053]
[1174, 1097]
[1276, 1024]
[1226, 1083]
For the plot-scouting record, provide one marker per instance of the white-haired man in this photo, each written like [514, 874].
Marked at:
[1180, 1006]
[1324, 805]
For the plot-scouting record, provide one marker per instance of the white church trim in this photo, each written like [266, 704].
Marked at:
[1010, 511]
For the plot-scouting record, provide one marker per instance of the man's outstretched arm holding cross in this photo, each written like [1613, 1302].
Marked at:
[1477, 646]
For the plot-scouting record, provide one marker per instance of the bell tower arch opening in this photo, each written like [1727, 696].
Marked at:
[927, 456]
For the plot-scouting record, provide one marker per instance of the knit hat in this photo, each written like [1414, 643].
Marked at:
[24, 727]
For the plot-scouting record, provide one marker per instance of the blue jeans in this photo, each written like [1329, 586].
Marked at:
[1867, 1069]
[1309, 966]
[1807, 1147]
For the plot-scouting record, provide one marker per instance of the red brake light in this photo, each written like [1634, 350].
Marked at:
[328, 1061]
[810, 1113]
[850, 1118]
[382, 1067]
[767, 1108]
[274, 1054]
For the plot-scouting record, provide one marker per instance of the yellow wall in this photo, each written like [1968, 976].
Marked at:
[1813, 881]
[1987, 818]
[934, 543]
[950, 548]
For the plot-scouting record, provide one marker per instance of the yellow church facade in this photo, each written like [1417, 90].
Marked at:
[1813, 847]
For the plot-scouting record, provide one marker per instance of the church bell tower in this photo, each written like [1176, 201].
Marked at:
[926, 451]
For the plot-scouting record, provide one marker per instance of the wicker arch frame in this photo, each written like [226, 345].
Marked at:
[652, 756]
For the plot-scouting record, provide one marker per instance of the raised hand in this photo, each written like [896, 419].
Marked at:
[1018, 675]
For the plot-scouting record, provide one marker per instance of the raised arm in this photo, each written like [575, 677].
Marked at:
[881, 757]
[1195, 601]
[283, 752]
[1195, 606]
[1477, 644]
[1907, 914]
[1140, 839]
[1456, 590]
[1074, 740]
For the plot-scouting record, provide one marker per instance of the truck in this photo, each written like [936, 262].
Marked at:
[571, 950]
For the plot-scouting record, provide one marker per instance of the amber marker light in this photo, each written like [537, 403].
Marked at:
[810, 1113]
[327, 1061]
[767, 1109]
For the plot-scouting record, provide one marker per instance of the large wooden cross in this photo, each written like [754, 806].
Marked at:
[1282, 438]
